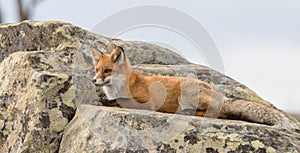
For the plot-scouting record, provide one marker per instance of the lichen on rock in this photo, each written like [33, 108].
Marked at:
[105, 129]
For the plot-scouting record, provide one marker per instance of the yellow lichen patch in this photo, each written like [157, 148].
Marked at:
[271, 150]
[244, 143]
[232, 136]
[167, 134]
[211, 142]
[232, 145]
[220, 135]
[257, 144]
[57, 121]
[68, 98]
[214, 134]
[64, 32]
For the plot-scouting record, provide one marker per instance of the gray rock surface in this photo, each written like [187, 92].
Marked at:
[106, 129]
[45, 76]
[145, 53]
[48, 36]
[35, 105]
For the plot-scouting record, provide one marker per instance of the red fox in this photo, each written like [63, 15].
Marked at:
[177, 94]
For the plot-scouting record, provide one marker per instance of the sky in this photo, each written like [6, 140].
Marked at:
[258, 41]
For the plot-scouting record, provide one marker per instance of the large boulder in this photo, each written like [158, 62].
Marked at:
[104, 129]
[48, 36]
[36, 102]
[46, 70]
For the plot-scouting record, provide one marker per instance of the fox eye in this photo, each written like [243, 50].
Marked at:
[107, 70]
[97, 69]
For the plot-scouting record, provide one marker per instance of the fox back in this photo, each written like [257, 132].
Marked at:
[177, 94]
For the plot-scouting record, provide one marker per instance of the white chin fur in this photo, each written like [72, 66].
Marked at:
[115, 88]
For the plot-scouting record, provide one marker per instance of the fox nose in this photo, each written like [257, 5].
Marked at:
[94, 81]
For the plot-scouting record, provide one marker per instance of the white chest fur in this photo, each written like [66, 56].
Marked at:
[117, 88]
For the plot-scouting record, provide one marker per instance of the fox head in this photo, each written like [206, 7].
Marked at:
[112, 69]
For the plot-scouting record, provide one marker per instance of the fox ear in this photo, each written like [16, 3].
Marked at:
[118, 54]
[95, 55]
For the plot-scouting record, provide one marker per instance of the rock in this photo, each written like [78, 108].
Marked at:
[35, 104]
[48, 36]
[145, 53]
[106, 129]
[46, 70]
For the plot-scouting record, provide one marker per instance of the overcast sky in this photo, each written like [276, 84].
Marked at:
[259, 41]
